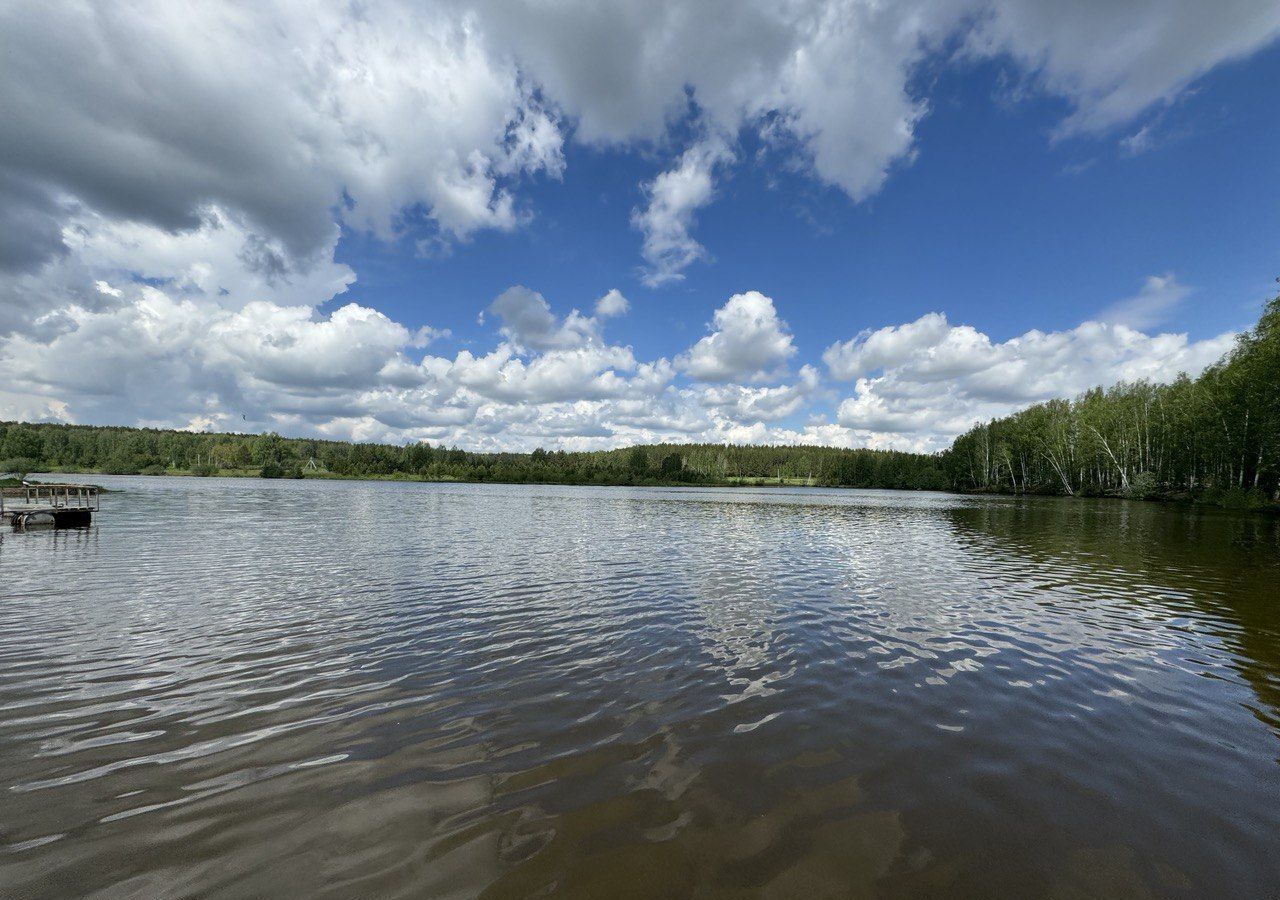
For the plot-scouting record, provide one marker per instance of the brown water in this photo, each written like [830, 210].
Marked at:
[236, 688]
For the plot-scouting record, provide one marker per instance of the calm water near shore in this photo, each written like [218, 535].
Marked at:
[240, 688]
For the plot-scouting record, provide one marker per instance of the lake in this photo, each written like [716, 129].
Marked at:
[246, 688]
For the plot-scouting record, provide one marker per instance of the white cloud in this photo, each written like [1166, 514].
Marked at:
[1139, 142]
[889, 346]
[760, 404]
[22, 407]
[400, 104]
[558, 375]
[748, 342]
[161, 355]
[150, 357]
[932, 380]
[611, 305]
[286, 347]
[1113, 61]
[222, 262]
[674, 197]
[1159, 297]
[527, 319]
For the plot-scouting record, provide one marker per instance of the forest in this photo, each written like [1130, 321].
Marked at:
[1214, 438]
[128, 451]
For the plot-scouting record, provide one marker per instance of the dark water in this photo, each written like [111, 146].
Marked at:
[236, 688]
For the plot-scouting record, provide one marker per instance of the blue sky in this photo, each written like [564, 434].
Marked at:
[832, 222]
[994, 221]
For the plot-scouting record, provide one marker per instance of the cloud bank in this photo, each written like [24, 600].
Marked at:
[149, 355]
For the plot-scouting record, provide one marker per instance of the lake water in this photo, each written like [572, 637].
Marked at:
[241, 688]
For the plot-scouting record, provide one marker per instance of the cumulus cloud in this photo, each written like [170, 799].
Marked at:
[745, 404]
[365, 114]
[748, 342]
[222, 262]
[286, 347]
[932, 379]
[158, 355]
[589, 373]
[165, 355]
[886, 346]
[612, 304]
[528, 321]
[154, 358]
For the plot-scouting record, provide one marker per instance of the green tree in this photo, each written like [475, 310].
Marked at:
[22, 441]
[672, 465]
[268, 448]
[638, 460]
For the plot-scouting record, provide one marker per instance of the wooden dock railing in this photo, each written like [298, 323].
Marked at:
[48, 496]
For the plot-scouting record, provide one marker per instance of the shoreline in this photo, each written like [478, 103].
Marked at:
[1167, 499]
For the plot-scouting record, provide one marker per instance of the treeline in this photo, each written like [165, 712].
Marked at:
[1215, 437]
[118, 450]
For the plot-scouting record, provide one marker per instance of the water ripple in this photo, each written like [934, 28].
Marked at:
[240, 688]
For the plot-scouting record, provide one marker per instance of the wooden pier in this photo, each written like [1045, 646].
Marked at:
[48, 505]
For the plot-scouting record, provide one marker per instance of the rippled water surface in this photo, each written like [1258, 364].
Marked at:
[238, 688]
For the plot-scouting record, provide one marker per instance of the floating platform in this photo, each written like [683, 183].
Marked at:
[41, 505]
